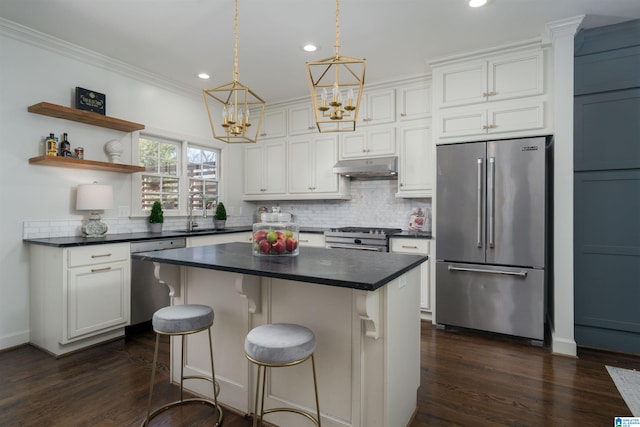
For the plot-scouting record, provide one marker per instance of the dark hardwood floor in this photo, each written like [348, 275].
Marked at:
[467, 379]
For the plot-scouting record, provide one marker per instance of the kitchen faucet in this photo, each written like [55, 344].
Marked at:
[191, 223]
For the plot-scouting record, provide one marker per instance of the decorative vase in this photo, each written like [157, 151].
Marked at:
[219, 223]
[156, 227]
[114, 149]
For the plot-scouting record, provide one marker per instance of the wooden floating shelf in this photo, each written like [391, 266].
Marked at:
[87, 117]
[70, 162]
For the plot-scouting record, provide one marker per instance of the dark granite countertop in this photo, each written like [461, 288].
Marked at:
[136, 237]
[362, 270]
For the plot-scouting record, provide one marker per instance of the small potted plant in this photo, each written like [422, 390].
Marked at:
[156, 217]
[220, 217]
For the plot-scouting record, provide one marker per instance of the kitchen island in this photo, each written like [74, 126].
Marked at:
[363, 308]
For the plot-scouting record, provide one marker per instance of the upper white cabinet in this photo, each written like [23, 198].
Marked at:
[374, 142]
[498, 92]
[264, 169]
[416, 161]
[378, 106]
[302, 119]
[311, 160]
[414, 101]
[274, 124]
[503, 77]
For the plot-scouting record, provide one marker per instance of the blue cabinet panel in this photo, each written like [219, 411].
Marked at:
[607, 130]
[615, 70]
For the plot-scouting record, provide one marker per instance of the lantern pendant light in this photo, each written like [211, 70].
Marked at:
[328, 78]
[238, 104]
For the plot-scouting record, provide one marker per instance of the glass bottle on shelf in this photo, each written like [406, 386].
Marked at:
[51, 145]
[65, 147]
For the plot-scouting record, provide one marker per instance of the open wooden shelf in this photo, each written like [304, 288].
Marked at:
[87, 117]
[70, 162]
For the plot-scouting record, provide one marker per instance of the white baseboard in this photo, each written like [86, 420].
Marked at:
[563, 346]
[14, 340]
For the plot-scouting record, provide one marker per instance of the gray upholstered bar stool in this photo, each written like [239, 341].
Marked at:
[279, 345]
[183, 320]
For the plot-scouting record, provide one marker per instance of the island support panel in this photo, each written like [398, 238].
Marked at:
[367, 345]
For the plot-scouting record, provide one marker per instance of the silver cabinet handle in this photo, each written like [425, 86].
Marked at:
[491, 192]
[409, 247]
[479, 203]
[521, 273]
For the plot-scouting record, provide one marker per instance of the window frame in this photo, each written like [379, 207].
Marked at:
[183, 142]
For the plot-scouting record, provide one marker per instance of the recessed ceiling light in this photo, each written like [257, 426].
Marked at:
[309, 47]
[204, 76]
[477, 3]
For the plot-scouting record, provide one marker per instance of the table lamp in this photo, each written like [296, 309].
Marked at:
[94, 197]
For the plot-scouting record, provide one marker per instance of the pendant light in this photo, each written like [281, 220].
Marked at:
[239, 105]
[336, 85]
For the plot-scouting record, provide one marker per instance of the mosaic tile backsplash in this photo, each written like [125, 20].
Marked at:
[373, 204]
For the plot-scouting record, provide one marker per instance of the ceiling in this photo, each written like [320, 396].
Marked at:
[176, 39]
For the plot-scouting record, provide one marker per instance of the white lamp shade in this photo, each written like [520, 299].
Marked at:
[94, 197]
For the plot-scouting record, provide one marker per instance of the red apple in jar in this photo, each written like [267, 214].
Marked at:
[291, 244]
[281, 235]
[279, 246]
[264, 246]
[259, 236]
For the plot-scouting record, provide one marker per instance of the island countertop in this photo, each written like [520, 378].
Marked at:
[353, 269]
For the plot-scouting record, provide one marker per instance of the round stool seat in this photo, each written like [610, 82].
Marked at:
[177, 319]
[279, 343]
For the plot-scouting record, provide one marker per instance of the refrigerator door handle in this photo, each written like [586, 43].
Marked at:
[521, 273]
[491, 199]
[479, 203]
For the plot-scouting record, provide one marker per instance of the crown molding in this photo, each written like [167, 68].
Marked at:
[45, 41]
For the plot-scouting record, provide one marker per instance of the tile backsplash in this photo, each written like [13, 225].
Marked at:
[373, 204]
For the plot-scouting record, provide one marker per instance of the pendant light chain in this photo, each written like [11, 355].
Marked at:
[337, 46]
[236, 74]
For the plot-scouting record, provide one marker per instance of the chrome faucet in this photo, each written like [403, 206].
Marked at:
[191, 223]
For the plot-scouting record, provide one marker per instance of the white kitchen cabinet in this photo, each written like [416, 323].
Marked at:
[503, 117]
[302, 119]
[216, 239]
[500, 77]
[274, 124]
[265, 170]
[377, 106]
[414, 101]
[501, 92]
[311, 160]
[374, 142]
[314, 240]
[416, 168]
[406, 245]
[80, 296]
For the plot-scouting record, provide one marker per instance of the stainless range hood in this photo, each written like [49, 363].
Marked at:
[377, 167]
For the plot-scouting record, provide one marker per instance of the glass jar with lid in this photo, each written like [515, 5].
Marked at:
[276, 235]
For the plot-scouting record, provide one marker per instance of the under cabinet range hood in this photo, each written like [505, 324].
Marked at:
[377, 167]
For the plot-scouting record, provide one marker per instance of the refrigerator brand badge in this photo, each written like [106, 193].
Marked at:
[530, 148]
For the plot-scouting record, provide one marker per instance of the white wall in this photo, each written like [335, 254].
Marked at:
[34, 68]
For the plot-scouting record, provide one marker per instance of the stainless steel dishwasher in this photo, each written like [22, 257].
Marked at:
[147, 294]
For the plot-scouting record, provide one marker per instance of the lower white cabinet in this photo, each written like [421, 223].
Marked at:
[313, 240]
[80, 296]
[216, 239]
[410, 245]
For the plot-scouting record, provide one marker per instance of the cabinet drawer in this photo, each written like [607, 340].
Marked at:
[417, 246]
[98, 254]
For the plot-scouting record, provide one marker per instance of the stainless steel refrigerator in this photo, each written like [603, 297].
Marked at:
[491, 235]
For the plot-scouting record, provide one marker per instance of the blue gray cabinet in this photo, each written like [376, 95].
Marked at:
[607, 188]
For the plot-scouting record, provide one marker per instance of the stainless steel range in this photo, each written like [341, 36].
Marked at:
[360, 238]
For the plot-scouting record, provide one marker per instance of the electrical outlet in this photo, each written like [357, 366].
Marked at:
[123, 211]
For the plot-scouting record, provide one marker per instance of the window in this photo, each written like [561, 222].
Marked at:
[180, 174]
[202, 171]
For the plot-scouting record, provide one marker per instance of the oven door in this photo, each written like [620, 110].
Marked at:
[356, 247]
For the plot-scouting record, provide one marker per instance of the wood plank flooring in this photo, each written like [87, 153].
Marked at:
[467, 379]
